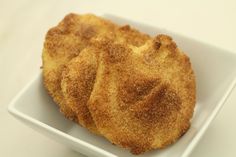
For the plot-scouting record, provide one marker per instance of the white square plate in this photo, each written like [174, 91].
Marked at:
[215, 71]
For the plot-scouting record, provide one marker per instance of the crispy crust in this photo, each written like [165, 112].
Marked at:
[137, 91]
[143, 103]
[65, 42]
[77, 84]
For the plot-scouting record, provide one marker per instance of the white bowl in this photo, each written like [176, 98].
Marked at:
[215, 71]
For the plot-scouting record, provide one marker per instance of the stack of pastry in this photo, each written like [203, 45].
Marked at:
[135, 90]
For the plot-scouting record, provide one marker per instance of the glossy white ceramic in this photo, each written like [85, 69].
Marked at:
[215, 71]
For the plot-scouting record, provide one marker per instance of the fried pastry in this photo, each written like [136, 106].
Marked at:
[65, 42]
[79, 74]
[137, 91]
[143, 98]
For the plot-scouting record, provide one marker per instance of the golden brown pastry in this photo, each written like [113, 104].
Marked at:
[77, 83]
[63, 43]
[138, 92]
[79, 74]
[143, 97]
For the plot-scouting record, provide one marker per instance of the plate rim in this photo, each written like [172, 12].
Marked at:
[20, 115]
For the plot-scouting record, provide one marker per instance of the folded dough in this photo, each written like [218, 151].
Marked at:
[143, 98]
[64, 43]
[138, 92]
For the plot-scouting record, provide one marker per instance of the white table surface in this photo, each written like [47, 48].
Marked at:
[23, 24]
